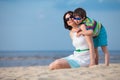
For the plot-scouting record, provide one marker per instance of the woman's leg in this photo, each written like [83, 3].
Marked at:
[59, 64]
[96, 56]
[106, 53]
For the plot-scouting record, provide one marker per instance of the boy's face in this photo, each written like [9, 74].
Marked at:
[77, 19]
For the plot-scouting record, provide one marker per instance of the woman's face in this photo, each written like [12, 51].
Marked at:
[69, 19]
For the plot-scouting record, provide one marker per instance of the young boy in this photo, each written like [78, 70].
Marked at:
[94, 29]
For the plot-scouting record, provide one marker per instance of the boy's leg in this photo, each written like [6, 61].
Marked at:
[96, 56]
[102, 41]
[106, 53]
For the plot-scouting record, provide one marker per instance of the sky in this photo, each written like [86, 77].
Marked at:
[35, 25]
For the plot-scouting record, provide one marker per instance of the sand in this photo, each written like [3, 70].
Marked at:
[99, 72]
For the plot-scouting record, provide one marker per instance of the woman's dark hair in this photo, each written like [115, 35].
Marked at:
[65, 22]
[80, 12]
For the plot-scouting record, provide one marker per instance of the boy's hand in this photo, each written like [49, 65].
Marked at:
[79, 33]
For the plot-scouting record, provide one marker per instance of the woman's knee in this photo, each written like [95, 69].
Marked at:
[51, 66]
[55, 65]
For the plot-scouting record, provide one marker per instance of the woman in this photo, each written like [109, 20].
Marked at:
[84, 53]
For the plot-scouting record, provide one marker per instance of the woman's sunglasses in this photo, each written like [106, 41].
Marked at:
[67, 19]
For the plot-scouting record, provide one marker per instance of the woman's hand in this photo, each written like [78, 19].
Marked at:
[91, 65]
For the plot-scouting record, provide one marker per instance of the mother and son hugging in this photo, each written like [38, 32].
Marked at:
[86, 35]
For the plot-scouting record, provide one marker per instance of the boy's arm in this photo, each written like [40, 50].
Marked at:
[84, 31]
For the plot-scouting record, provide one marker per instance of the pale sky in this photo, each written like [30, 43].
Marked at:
[34, 25]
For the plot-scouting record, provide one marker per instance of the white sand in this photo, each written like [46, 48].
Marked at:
[99, 72]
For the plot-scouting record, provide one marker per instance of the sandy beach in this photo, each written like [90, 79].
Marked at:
[99, 72]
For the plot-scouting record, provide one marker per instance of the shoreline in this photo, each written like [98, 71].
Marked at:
[99, 72]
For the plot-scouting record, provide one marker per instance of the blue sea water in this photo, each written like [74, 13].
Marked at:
[43, 58]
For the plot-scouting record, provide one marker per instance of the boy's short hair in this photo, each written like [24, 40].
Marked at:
[80, 12]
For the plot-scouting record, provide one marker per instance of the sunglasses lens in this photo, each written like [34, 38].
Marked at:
[71, 16]
[77, 18]
[67, 19]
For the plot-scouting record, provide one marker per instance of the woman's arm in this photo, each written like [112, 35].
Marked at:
[71, 34]
[90, 44]
[91, 48]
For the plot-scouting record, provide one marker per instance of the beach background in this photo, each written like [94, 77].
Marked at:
[32, 35]
[34, 66]
[43, 58]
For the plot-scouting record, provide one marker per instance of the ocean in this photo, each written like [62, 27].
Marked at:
[43, 58]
